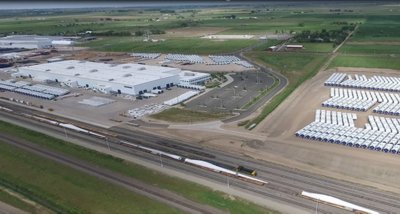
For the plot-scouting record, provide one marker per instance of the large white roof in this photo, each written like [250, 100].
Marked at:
[128, 74]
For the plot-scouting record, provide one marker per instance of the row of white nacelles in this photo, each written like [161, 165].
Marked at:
[348, 104]
[223, 59]
[350, 141]
[388, 108]
[335, 78]
[244, 64]
[370, 85]
[185, 58]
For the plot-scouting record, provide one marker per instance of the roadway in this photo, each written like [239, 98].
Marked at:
[285, 184]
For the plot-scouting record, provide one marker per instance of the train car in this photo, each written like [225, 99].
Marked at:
[246, 170]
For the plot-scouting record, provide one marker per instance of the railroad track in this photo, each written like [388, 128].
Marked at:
[284, 177]
[338, 189]
[106, 175]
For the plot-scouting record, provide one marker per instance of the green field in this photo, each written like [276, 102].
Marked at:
[263, 46]
[379, 27]
[369, 49]
[17, 202]
[182, 45]
[187, 189]
[296, 67]
[68, 189]
[186, 115]
[366, 61]
[318, 47]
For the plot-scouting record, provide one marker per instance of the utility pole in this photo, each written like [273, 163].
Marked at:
[108, 144]
[316, 208]
[227, 181]
[65, 132]
[161, 163]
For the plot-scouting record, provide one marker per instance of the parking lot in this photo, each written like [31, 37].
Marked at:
[245, 86]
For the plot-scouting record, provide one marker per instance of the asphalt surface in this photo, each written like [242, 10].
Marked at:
[245, 86]
[112, 177]
[284, 185]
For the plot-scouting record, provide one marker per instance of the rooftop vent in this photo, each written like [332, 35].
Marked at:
[142, 68]
[127, 75]
[70, 67]
[126, 66]
[111, 79]
[113, 65]
[77, 75]
[48, 70]
[94, 70]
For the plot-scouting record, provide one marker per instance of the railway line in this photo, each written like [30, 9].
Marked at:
[285, 184]
[304, 181]
[115, 178]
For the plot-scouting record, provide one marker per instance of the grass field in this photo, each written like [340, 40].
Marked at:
[181, 45]
[265, 45]
[318, 47]
[187, 189]
[366, 61]
[379, 27]
[296, 67]
[186, 115]
[17, 202]
[369, 49]
[70, 190]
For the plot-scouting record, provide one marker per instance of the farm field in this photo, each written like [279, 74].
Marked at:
[296, 67]
[70, 190]
[176, 45]
[379, 27]
[370, 49]
[366, 61]
[187, 189]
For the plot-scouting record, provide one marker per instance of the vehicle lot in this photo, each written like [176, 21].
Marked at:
[245, 86]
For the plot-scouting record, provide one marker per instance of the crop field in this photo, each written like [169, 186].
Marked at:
[383, 27]
[182, 45]
[370, 49]
[68, 189]
[187, 189]
[366, 61]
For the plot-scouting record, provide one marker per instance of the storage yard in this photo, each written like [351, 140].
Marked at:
[210, 63]
[380, 133]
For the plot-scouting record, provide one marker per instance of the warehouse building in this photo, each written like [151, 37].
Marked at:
[34, 41]
[133, 79]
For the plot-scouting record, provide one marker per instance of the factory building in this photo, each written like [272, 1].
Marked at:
[133, 79]
[34, 41]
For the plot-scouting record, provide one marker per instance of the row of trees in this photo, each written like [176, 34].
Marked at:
[334, 36]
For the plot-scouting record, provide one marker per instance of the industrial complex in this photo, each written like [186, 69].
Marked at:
[255, 108]
[133, 79]
[34, 41]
